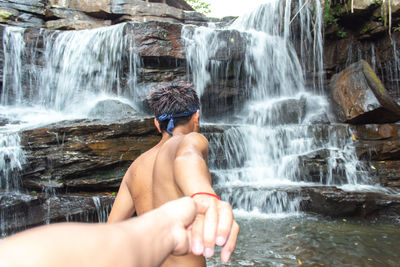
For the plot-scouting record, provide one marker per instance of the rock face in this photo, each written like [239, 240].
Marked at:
[23, 211]
[334, 202]
[78, 15]
[328, 200]
[379, 146]
[364, 32]
[360, 97]
[84, 154]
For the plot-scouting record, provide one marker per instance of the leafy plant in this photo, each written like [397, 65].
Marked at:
[329, 16]
[199, 6]
[341, 33]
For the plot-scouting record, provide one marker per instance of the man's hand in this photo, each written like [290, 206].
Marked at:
[214, 225]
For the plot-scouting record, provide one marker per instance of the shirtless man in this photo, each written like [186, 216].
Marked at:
[174, 168]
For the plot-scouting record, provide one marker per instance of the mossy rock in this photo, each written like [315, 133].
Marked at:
[6, 13]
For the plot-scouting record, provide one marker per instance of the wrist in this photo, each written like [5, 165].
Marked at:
[205, 194]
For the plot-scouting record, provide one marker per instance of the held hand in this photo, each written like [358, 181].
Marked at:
[214, 225]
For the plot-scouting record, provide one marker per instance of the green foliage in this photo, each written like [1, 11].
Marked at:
[341, 33]
[199, 6]
[331, 15]
[365, 29]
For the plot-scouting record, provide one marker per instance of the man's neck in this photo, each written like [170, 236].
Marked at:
[181, 130]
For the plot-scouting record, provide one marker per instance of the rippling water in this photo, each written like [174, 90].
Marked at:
[314, 241]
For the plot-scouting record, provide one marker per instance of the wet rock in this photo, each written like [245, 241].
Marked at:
[67, 24]
[359, 96]
[377, 131]
[377, 142]
[388, 172]
[112, 110]
[234, 47]
[137, 10]
[157, 39]
[318, 119]
[4, 121]
[321, 167]
[84, 154]
[325, 200]
[195, 18]
[63, 13]
[27, 20]
[7, 14]
[284, 111]
[378, 150]
[219, 100]
[35, 6]
[87, 6]
[363, 5]
[335, 202]
[22, 211]
[181, 4]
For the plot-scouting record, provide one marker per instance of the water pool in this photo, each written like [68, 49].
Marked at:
[315, 241]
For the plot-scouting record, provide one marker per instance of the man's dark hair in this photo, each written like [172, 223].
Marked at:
[173, 98]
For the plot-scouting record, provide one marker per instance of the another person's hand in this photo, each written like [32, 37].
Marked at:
[214, 225]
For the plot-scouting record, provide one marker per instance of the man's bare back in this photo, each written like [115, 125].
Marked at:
[165, 187]
[151, 183]
[174, 168]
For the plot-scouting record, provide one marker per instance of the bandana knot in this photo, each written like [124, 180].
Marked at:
[171, 117]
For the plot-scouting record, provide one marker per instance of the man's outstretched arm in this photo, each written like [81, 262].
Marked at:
[123, 207]
[216, 226]
[141, 241]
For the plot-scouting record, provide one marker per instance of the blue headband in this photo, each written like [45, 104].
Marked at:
[171, 117]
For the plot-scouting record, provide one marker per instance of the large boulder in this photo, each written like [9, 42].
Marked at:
[84, 155]
[360, 97]
[112, 110]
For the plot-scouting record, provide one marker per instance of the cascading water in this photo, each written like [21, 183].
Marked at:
[78, 68]
[284, 121]
[11, 160]
[57, 75]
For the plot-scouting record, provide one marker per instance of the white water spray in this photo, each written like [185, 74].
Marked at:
[282, 139]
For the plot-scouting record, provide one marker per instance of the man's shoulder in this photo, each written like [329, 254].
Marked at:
[195, 137]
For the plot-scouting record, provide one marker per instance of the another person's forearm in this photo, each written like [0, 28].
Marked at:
[142, 241]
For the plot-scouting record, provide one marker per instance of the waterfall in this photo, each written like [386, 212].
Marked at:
[11, 160]
[281, 138]
[68, 71]
[50, 76]
[102, 210]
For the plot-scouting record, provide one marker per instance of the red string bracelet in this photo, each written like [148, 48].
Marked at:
[205, 193]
